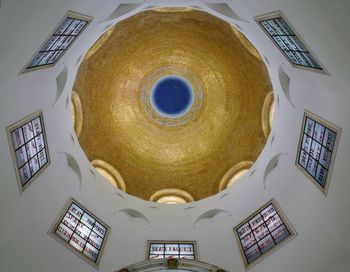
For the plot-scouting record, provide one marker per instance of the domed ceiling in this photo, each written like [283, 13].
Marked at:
[172, 99]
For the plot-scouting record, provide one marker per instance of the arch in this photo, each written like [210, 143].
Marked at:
[267, 114]
[77, 113]
[110, 173]
[173, 264]
[171, 196]
[234, 173]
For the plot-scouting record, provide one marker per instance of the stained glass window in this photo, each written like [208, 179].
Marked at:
[57, 44]
[29, 148]
[318, 141]
[171, 249]
[81, 231]
[282, 34]
[262, 232]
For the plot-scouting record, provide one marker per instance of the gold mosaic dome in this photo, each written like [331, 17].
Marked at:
[190, 152]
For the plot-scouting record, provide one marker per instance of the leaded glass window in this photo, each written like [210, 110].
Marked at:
[316, 150]
[60, 40]
[81, 231]
[288, 41]
[29, 148]
[171, 250]
[262, 232]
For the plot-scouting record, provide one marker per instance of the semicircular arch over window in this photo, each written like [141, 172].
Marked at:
[77, 113]
[234, 174]
[267, 114]
[171, 196]
[110, 173]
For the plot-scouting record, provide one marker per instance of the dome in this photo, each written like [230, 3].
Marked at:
[45, 165]
[127, 76]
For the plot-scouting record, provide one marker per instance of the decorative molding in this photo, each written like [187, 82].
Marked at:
[272, 164]
[73, 164]
[285, 84]
[110, 173]
[172, 192]
[267, 114]
[61, 81]
[234, 173]
[134, 214]
[77, 113]
[209, 215]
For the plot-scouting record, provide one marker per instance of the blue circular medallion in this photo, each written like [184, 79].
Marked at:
[172, 96]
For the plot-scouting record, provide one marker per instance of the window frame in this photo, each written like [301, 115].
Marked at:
[150, 242]
[71, 14]
[57, 222]
[279, 13]
[270, 251]
[17, 125]
[330, 126]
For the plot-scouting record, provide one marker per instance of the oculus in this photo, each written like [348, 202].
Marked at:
[317, 147]
[29, 148]
[81, 231]
[172, 96]
[262, 232]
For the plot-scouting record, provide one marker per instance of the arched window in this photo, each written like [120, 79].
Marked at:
[109, 173]
[234, 174]
[77, 113]
[267, 114]
[171, 196]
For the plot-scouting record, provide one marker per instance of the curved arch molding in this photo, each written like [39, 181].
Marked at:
[176, 196]
[110, 173]
[77, 113]
[267, 114]
[234, 173]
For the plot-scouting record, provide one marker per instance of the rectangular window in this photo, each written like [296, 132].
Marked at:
[81, 231]
[171, 250]
[262, 232]
[59, 41]
[29, 148]
[316, 150]
[277, 27]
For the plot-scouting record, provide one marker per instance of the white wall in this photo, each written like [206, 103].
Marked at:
[322, 222]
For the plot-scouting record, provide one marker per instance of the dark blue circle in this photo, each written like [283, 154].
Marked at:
[172, 96]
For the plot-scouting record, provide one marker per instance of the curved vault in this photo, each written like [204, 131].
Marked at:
[227, 75]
